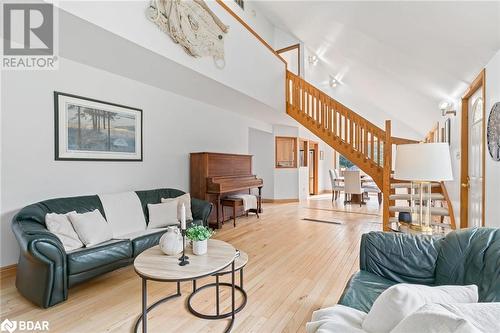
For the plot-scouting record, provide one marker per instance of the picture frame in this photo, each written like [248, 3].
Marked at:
[87, 129]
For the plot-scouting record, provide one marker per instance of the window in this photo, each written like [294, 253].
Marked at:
[344, 163]
[286, 152]
[240, 3]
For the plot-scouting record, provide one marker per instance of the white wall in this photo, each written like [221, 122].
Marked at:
[250, 67]
[261, 146]
[30, 173]
[492, 176]
[255, 18]
[492, 168]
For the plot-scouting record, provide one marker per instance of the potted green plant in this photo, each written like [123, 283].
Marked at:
[199, 235]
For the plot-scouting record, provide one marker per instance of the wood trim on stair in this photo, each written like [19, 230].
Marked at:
[244, 24]
[386, 187]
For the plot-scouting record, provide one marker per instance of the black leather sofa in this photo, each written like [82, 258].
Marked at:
[45, 271]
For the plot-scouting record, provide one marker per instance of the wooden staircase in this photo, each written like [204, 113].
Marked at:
[362, 142]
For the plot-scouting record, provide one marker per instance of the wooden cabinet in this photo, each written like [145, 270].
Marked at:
[286, 152]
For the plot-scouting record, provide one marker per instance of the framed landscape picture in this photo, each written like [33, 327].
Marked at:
[88, 129]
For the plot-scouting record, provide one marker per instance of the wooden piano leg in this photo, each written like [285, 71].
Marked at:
[217, 212]
[259, 201]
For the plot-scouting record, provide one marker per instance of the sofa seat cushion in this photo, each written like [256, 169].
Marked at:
[137, 234]
[362, 290]
[148, 239]
[89, 258]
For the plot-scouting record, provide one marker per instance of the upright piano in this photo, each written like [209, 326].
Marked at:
[216, 175]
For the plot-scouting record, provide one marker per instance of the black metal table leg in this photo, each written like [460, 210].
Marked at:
[194, 286]
[229, 314]
[217, 294]
[241, 278]
[144, 305]
[145, 308]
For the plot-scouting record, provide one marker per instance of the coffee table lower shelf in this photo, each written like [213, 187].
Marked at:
[145, 308]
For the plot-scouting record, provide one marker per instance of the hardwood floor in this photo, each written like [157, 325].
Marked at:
[295, 267]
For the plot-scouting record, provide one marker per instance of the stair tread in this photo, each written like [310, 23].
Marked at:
[442, 211]
[444, 225]
[407, 185]
[404, 196]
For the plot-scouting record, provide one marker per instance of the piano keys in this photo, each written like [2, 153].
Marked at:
[216, 175]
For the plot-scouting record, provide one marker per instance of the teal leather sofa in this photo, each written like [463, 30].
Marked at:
[463, 257]
[45, 271]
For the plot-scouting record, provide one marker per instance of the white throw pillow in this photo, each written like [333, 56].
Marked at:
[60, 225]
[123, 213]
[162, 214]
[452, 318]
[401, 300]
[183, 199]
[91, 227]
[338, 318]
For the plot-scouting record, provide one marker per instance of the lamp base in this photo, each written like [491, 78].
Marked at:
[421, 228]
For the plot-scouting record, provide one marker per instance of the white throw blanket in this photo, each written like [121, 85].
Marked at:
[249, 200]
[123, 213]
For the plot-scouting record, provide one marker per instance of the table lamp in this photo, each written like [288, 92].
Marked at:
[422, 164]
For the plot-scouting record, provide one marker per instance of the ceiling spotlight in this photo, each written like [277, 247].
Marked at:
[313, 59]
[447, 108]
[333, 82]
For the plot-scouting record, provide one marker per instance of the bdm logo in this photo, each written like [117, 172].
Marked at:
[29, 36]
[9, 326]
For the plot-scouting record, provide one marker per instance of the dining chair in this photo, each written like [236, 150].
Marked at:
[352, 185]
[371, 187]
[336, 184]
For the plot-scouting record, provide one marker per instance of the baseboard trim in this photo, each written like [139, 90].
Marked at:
[8, 270]
[279, 200]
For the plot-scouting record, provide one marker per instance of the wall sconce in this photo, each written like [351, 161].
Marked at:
[447, 108]
[333, 82]
[313, 59]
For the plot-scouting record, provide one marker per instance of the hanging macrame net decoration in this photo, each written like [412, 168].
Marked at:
[191, 24]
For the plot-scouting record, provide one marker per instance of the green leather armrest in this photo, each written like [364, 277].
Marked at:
[400, 257]
[201, 210]
[41, 271]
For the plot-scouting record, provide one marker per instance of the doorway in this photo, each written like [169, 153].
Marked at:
[473, 157]
[313, 160]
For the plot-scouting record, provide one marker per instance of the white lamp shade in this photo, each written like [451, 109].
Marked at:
[423, 162]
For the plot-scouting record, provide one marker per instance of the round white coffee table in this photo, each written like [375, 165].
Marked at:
[153, 264]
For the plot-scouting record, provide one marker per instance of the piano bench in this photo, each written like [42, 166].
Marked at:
[235, 203]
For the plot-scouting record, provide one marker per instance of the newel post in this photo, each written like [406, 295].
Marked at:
[386, 176]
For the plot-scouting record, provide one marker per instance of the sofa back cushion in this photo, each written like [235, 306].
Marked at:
[123, 213]
[83, 204]
[471, 256]
[154, 197]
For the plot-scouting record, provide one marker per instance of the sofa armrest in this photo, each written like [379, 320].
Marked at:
[400, 257]
[201, 210]
[41, 272]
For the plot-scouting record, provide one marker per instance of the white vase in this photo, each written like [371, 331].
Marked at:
[200, 247]
[171, 241]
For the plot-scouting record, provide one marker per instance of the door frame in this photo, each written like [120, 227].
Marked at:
[314, 146]
[478, 83]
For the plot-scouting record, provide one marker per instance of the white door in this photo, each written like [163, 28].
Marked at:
[475, 160]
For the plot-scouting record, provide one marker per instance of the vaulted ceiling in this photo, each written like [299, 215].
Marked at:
[399, 57]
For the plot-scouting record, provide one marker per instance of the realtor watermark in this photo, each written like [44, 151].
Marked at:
[29, 36]
[12, 326]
